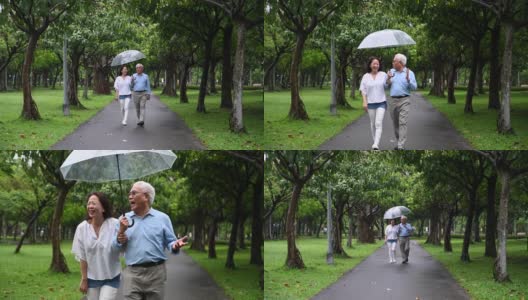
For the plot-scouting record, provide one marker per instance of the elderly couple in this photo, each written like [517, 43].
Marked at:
[100, 239]
[401, 81]
[138, 86]
[402, 233]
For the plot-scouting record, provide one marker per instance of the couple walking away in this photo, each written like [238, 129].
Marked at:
[401, 232]
[100, 239]
[401, 81]
[137, 86]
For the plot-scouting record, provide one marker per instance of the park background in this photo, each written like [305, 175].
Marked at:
[470, 211]
[215, 196]
[469, 60]
[203, 60]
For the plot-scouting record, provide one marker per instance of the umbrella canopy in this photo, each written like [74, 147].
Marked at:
[126, 57]
[396, 212]
[386, 38]
[110, 165]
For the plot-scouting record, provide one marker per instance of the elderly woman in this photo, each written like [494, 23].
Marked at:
[401, 80]
[391, 238]
[122, 87]
[372, 87]
[92, 246]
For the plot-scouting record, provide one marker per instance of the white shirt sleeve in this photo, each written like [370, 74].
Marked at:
[363, 85]
[78, 243]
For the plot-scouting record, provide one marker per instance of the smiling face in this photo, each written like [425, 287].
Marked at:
[374, 65]
[124, 71]
[94, 207]
[392, 222]
[139, 69]
[138, 200]
[396, 64]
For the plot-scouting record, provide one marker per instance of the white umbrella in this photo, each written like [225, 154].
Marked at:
[396, 212]
[111, 165]
[126, 57]
[386, 38]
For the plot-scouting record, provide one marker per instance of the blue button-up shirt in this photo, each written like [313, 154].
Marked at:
[399, 84]
[405, 230]
[141, 83]
[148, 238]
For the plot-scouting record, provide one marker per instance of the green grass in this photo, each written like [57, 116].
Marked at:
[283, 133]
[477, 277]
[213, 127]
[18, 133]
[241, 283]
[25, 275]
[282, 283]
[480, 128]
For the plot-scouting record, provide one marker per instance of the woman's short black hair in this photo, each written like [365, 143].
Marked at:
[105, 203]
[121, 69]
[370, 62]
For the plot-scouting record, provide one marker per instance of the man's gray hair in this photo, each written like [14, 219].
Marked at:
[403, 217]
[139, 65]
[401, 58]
[148, 189]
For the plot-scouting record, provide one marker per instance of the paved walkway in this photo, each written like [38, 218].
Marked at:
[427, 129]
[163, 129]
[187, 280]
[423, 278]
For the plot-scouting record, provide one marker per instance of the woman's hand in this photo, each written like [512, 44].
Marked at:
[365, 106]
[83, 286]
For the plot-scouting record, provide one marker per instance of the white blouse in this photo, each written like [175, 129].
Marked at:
[391, 232]
[123, 85]
[374, 89]
[102, 258]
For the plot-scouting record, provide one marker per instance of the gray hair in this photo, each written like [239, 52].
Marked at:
[403, 217]
[401, 58]
[139, 65]
[147, 189]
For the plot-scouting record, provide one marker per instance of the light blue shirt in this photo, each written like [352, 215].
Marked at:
[405, 230]
[141, 83]
[399, 84]
[148, 238]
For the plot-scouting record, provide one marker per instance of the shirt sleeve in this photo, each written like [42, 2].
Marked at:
[385, 84]
[412, 81]
[169, 236]
[115, 243]
[78, 244]
[363, 86]
[148, 87]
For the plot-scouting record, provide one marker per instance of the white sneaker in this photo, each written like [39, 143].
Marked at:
[124, 123]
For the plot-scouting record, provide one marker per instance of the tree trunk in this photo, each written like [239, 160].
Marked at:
[434, 230]
[341, 78]
[212, 239]
[491, 218]
[198, 240]
[183, 84]
[29, 109]
[476, 226]
[504, 122]
[451, 84]
[230, 261]
[495, 69]
[447, 231]
[350, 228]
[227, 71]
[480, 80]
[86, 81]
[500, 272]
[205, 71]
[467, 232]
[438, 88]
[58, 262]
[297, 110]
[35, 216]
[236, 123]
[73, 81]
[337, 231]
[293, 259]
[242, 233]
[212, 77]
[365, 234]
[257, 238]
[101, 84]
[169, 89]
[468, 108]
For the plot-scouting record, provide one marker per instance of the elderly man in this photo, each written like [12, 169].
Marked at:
[140, 92]
[404, 234]
[401, 81]
[144, 244]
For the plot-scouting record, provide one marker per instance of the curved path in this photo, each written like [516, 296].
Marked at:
[163, 129]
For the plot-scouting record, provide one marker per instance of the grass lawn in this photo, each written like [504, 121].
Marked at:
[18, 133]
[25, 275]
[213, 127]
[477, 277]
[241, 283]
[283, 133]
[480, 128]
[282, 283]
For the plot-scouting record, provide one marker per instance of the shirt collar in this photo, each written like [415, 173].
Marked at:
[149, 212]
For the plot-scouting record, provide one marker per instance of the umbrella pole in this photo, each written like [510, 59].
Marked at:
[121, 188]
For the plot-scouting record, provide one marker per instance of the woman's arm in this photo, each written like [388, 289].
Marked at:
[363, 90]
[83, 286]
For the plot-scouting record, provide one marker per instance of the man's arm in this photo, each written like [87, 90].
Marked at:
[412, 81]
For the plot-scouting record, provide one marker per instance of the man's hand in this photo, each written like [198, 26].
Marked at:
[123, 224]
[180, 243]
